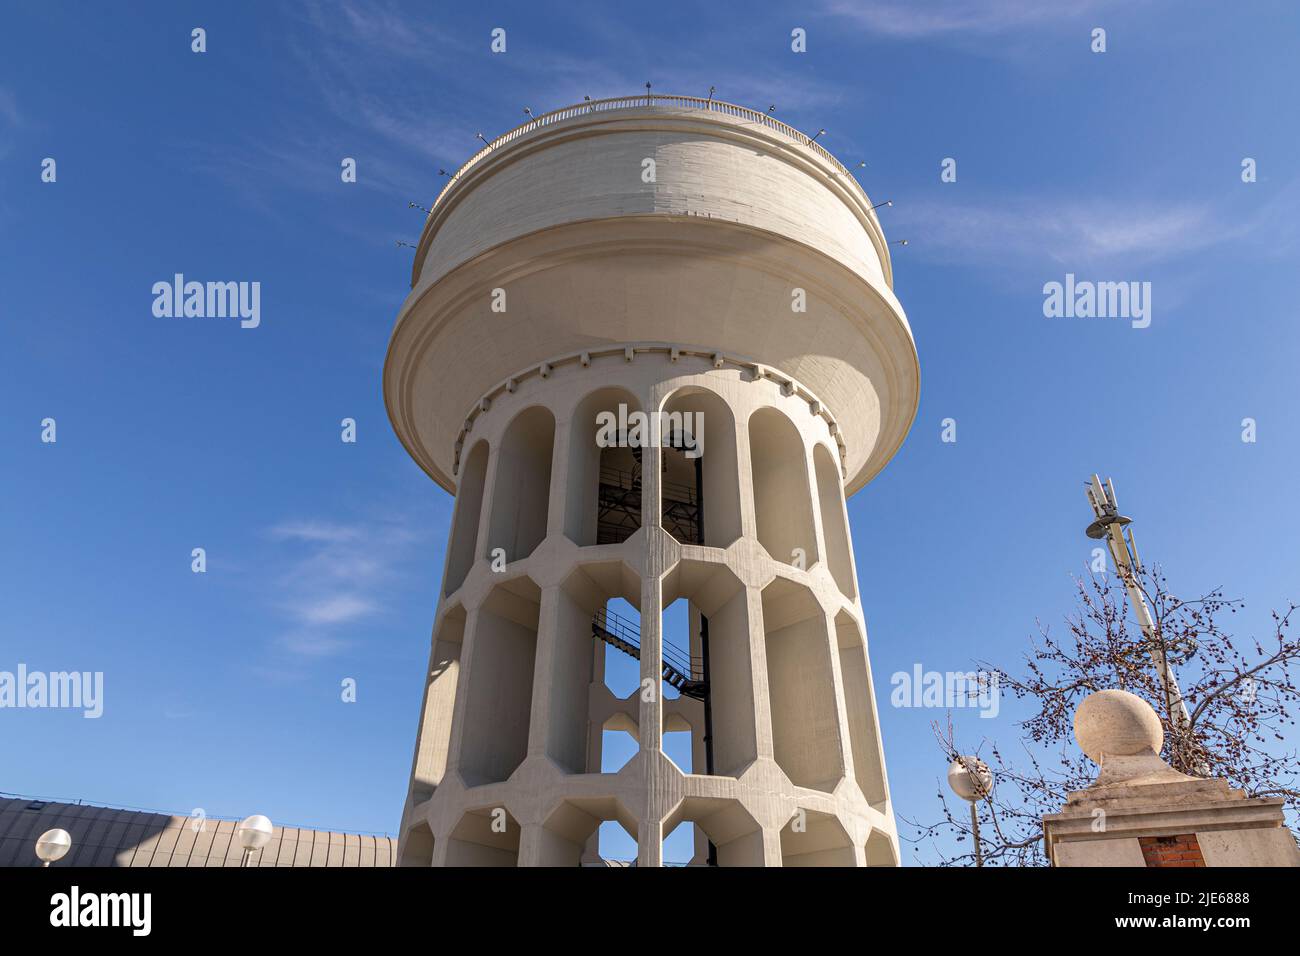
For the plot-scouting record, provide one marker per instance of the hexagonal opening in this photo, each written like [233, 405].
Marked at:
[620, 741]
[682, 737]
[860, 711]
[434, 737]
[880, 850]
[417, 846]
[801, 687]
[685, 845]
[584, 661]
[812, 838]
[571, 834]
[616, 845]
[486, 836]
[620, 669]
[723, 833]
[498, 706]
[679, 644]
[718, 616]
[835, 522]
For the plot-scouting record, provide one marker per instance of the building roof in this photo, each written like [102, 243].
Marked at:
[110, 837]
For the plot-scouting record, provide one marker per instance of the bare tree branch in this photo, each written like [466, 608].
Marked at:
[1240, 705]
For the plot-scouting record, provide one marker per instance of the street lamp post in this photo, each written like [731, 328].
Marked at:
[971, 779]
[52, 846]
[254, 833]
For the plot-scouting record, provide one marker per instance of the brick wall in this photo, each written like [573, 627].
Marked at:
[1180, 850]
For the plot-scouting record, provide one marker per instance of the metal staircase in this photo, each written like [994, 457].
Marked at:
[618, 514]
[679, 670]
[690, 675]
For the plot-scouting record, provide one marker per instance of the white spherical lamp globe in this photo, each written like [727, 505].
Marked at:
[970, 778]
[254, 832]
[53, 845]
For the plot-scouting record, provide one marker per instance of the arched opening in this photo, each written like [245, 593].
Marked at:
[469, 508]
[680, 483]
[603, 499]
[700, 486]
[782, 498]
[835, 525]
[522, 489]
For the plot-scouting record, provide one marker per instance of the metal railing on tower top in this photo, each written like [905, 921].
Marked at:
[656, 99]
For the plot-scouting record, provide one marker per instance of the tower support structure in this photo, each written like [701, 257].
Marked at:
[612, 374]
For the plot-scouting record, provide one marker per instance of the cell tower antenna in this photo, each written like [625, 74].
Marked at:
[1111, 525]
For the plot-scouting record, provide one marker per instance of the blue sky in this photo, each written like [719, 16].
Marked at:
[222, 689]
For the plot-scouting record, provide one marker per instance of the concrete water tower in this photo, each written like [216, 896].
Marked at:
[650, 346]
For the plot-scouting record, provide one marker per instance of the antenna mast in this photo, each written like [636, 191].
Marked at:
[1112, 525]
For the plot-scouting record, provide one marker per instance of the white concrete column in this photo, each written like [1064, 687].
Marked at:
[539, 724]
[650, 843]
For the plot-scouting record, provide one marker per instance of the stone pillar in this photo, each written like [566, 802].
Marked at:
[1142, 812]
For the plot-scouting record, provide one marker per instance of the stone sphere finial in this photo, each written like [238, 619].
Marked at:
[1118, 724]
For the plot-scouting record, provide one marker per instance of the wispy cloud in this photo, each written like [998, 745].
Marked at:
[335, 609]
[315, 531]
[405, 98]
[379, 73]
[1005, 231]
[311, 644]
[906, 19]
[332, 578]
[376, 68]
[1066, 231]
[382, 26]
[385, 99]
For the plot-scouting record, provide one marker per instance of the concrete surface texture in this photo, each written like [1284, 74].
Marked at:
[707, 272]
[1141, 812]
